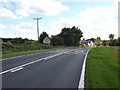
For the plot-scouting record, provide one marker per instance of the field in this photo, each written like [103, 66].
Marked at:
[102, 68]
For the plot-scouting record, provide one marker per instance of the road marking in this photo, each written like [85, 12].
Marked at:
[50, 51]
[81, 82]
[26, 64]
[82, 51]
[76, 51]
[26, 55]
[57, 50]
[17, 69]
[10, 70]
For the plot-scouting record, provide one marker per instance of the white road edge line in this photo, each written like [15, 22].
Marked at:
[81, 82]
[21, 66]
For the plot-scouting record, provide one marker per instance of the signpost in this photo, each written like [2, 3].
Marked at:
[46, 40]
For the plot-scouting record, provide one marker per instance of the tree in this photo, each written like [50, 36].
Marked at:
[57, 41]
[42, 36]
[115, 42]
[111, 36]
[105, 42]
[91, 39]
[98, 39]
[18, 40]
[118, 41]
[112, 41]
[71, 36]
[83, 39]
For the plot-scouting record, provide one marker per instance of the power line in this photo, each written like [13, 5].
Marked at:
[37, 27]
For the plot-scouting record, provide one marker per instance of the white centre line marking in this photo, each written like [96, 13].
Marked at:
[17, 69]
[82, 51]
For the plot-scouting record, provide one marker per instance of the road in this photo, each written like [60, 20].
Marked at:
[53, 69]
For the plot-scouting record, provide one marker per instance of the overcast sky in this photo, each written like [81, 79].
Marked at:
[94, 17]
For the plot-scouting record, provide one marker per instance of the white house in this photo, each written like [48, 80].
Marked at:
[87, 43]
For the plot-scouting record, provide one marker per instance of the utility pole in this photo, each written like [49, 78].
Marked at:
[37, 27]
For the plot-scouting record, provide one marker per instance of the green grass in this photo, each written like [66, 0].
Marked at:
[8, 48]
[11, 53]
[102, 68]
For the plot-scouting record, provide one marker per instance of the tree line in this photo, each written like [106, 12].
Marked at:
[19, 40]
[114, 42]
[67, 37]
[111, 42]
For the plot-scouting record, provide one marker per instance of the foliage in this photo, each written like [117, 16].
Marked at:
[42, 36]
[71, 36]
[98, 39]
[68, 37]
[91, 39]
[111, 36]
[105, 42]
[18, 40]
[115, 42]
[57, 41]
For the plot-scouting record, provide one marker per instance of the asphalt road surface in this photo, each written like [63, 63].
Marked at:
[53, 69]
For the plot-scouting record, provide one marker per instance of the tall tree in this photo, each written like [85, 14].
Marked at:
[91, 39]
[111, 36]
[42, 36]
[119, 41]
[98, 39]
[105, 42]
[57, 41]
[111, 42]
[71, 36]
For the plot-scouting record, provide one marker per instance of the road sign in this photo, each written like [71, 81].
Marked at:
[46, 40]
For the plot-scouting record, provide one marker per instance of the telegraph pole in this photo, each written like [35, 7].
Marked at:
[37, 27]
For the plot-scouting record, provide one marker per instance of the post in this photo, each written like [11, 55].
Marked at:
[37, 27]
[38, 30]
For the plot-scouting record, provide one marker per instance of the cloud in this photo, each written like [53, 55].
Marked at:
[2, 26]
[115, 2]
[6, 14]
[22, 8]
[24, 30]
[24, 26]
[103, 20]
[93, 22]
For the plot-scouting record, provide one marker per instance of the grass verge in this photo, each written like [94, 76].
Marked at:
[102, 68]
[13, 54]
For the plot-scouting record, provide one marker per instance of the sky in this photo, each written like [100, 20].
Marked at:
[95, 18]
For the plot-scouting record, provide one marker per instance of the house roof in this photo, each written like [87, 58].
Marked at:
[84, 42]
[98, 42]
